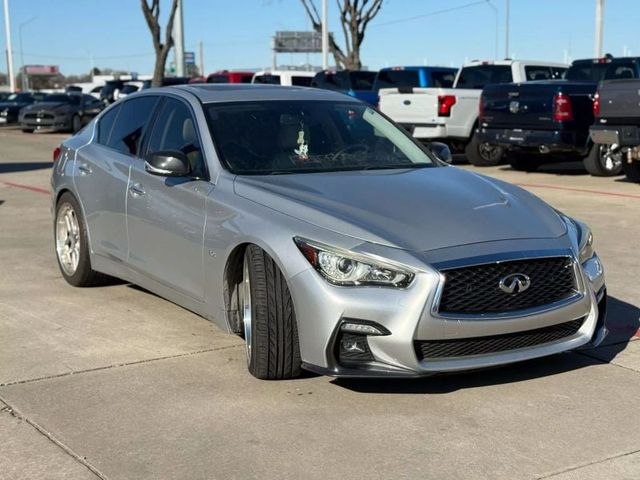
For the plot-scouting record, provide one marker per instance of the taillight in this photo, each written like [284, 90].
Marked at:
[596, 105]
[562, 108]
[481, 108]
[445, 102]
[56, 153]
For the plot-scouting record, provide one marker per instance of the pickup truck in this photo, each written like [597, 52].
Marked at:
[355, 83]
[540, 122]
[451, 114]
[617, 124]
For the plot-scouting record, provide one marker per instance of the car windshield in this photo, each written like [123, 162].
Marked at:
[280, 137]
[74, 99]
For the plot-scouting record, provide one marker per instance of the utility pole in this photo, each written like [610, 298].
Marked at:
[178, 35]
[7, 32]
[599, 27]
[201, 56]
[506, 41]
[325, 35]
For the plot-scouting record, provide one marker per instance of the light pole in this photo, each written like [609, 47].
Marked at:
[179, 40]
[24, 78]
[495, 12]
[599, 21]
[7, 32]
[506, 41]
[325, 35]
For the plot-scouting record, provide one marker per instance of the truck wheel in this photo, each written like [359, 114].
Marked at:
[524, 162]
[27, 130]
[632, 170]
[268, 317]
[483, 154]
[601, 162]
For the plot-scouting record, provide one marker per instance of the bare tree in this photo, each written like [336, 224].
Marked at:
[355, 16]
[152, 16]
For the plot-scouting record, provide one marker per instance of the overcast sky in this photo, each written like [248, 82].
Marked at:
[236, 34]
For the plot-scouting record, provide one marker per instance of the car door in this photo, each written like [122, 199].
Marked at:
[102, 174]
[166, 215]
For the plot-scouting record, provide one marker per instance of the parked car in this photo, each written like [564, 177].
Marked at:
[451, 114]
[407, 78]
[541, 122]
[355, 83]
[288, 216]
[229, 76]
[132, 87]
[10, 108]
[110, 90]
[299, 78]
[60, 112]
[617, 124]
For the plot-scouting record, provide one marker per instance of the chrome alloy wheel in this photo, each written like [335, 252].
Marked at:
[245, 292]
[68, 239]
[610, 159]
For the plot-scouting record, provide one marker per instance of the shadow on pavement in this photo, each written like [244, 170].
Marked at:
[623, 320]
[24, 166]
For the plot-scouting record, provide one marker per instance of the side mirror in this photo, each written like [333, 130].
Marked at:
[440, 150]
[170, 163]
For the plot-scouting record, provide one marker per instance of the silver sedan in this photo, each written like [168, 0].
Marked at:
[312, 226]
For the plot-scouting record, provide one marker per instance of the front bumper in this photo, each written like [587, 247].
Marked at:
[550, 141]
[410, 316]
[57, 123]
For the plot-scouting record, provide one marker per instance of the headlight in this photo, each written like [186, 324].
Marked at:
[585, 242]
[345, 268]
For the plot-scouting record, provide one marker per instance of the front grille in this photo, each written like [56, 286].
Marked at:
[435, 349]
[476, 289]
[32, 116]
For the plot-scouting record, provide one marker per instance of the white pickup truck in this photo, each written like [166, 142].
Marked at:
[451, 114]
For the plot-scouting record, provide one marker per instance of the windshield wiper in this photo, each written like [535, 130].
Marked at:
[398, 166]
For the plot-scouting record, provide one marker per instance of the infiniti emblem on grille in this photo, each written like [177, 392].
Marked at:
[515, 283]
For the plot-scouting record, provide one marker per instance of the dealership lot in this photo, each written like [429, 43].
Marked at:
[117, 383]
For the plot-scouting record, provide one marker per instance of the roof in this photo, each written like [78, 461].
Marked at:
[246, 92]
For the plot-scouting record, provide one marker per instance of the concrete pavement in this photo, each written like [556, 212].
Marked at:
[116, 383]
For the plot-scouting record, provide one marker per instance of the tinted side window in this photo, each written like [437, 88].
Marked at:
[301, 81]
[620, 71]
[175, 129]
[537, 73]
[478, 77]
[133, 118]
[105, 125]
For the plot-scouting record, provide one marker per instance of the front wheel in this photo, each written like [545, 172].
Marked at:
[632, 170]
[603, 162]
[27, 130]
[268, 317]
[72, 246]
[76, 124]
[483, 154]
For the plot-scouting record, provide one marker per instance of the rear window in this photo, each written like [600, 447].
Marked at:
[595, 72]
[362, 80]
[397, 79]
[218, 79]
[301, 81]
[270, 79]
[478, 77]
[442, 79]
[331, 81]
[620, 71]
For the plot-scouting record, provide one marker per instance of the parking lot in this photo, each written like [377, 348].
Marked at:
[116, 383]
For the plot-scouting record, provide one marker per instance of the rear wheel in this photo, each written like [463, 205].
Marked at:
[483, 154]
[72, 245]
[602, 162]
[632, 170]
[27, 130]
[268, 317]
[524, 162]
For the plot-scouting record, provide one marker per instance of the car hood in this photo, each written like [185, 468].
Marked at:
[418, 209]
[45, 106]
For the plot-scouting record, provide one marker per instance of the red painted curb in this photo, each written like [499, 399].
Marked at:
[28, 187]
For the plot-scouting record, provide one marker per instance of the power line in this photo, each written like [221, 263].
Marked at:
[430, 14]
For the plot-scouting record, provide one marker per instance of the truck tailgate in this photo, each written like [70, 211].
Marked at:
[417, 108]
[620, 99]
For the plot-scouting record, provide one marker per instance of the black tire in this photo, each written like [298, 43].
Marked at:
[84, 275]
[596, 162]
[523, 162]
[482, 154]
[632, 170]
[27, 130]
[275, 351]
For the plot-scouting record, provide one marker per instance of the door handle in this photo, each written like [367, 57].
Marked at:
[85, 169]
[136, 190]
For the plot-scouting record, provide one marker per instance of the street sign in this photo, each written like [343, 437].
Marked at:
[189, 58]
[297, 42]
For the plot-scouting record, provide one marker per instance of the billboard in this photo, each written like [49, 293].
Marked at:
[297, 42]
[42, 70]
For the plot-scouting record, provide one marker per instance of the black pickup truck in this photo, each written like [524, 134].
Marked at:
[543, 121]
[617, 125]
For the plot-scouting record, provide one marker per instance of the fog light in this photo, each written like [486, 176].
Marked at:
[353, 349]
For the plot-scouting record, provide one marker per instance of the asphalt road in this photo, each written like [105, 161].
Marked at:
[116, 383]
